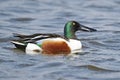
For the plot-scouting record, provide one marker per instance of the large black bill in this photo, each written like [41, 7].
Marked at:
[87, 29]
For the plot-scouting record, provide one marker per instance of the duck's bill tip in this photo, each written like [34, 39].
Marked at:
[87, 29]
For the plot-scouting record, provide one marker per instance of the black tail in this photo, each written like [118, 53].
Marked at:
[19, 45]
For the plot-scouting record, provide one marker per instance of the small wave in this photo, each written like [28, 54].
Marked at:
[96, 68]
[5, 39]
[22, 19]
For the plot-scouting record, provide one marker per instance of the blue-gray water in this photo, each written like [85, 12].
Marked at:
[100, 59]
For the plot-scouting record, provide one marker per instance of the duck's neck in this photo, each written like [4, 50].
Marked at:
[69, 32]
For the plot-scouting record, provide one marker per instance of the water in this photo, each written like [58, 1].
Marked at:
[100, 59]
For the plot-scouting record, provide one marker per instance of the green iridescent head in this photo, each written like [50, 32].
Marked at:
[72, 26]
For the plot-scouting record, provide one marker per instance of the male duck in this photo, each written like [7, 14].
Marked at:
[52, 43]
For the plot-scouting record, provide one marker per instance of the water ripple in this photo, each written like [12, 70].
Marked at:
[100, 56]
[22, 19]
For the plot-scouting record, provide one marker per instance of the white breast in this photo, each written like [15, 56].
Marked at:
[75, 45]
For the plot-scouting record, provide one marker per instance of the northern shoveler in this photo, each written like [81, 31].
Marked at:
[52, 43]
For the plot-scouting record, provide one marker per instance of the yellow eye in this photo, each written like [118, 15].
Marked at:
[73, 23]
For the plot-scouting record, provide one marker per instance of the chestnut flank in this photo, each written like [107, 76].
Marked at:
[55, 47]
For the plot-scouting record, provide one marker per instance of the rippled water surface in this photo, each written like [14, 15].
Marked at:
[100, 58]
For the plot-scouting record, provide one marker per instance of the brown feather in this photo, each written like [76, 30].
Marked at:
[55, 47]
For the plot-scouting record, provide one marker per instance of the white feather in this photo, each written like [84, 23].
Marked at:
[15, 42]
[75, 45]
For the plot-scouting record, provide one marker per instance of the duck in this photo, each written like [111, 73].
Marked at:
[52, 43]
